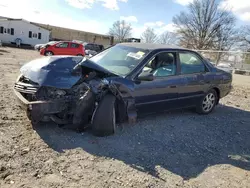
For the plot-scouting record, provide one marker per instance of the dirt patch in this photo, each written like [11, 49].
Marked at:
[175, 149]
[4, 51]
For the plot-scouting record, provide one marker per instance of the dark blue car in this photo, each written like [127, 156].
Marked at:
[118, 84]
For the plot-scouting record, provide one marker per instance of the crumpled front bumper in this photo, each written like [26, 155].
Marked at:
[36, 110]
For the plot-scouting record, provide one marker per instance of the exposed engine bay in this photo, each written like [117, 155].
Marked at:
[75, 103]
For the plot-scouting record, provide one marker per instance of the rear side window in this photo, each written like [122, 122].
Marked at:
[190, 63]
[74, 45]
[1, 30]
[63, 45]
[89, 47]
[39, 35]
[97, 48]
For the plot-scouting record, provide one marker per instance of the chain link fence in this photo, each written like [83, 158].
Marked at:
[239, 61]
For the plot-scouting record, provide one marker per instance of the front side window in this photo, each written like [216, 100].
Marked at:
[120, 59]
[162, 65]
[62, 45]
[190, 63]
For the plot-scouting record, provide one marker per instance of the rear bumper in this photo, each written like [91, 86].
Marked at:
[225, 92]
[36, 110]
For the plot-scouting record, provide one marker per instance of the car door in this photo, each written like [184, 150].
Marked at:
[62, 48]
[161, 93]
[195, 76]
[74, 49]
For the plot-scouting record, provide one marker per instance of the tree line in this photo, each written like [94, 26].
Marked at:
[204, 26]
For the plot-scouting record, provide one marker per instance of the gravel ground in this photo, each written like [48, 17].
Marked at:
[174, 149]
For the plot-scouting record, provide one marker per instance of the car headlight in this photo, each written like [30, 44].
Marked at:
[60, 92]
[54, 93]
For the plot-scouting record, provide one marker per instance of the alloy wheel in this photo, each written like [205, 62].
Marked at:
[208, 102]
[49, 54]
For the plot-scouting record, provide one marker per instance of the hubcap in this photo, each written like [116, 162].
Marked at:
[208, 102]
[49, 54]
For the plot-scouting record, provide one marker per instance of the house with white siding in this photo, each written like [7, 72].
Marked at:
[28, 33]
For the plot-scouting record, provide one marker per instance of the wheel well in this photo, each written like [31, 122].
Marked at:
[218, 93]
[49, 51]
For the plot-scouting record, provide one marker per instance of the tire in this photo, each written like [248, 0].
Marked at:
[208, 102]
[79, 55]
[48, 53]
[104, 117]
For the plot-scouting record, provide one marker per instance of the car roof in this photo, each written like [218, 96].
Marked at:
[151, 46]
[68, 42]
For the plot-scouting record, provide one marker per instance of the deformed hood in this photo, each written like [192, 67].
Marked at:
[56, 71]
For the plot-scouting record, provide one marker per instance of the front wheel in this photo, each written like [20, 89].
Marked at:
[104, 118]
[48, 53]
[208, 102]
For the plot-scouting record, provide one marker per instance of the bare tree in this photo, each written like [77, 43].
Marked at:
[120, 30]
[168, 38]
[244, 38]
[244, 42]
[206, 26]
[149, 36]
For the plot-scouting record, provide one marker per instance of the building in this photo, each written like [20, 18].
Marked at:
[60, 33]
[13, 30]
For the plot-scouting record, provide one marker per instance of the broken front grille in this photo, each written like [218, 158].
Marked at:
[26, 88]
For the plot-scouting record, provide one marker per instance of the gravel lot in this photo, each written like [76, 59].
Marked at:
[177, 149]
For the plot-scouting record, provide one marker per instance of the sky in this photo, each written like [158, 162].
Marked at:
[98, 15]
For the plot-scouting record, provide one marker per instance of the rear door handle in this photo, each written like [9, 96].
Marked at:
[173, 86]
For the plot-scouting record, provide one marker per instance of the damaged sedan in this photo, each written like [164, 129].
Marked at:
[118, 84]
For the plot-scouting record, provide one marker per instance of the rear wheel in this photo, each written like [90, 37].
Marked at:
[104, 117]
[49, 53]
[208, 102]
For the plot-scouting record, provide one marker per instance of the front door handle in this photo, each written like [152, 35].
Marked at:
[205, 82]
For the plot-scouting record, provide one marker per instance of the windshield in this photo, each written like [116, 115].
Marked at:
[52, 42]
[120, 60]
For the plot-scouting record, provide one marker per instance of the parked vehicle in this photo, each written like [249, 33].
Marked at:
[210, 61]
[226, 67]
[39, 46]
[63, 48]
[118, 84]
[93, 49]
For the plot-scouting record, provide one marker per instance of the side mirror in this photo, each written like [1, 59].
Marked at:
[146, 76]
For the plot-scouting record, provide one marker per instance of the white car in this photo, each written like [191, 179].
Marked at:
[39, 46]
[226, 67]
